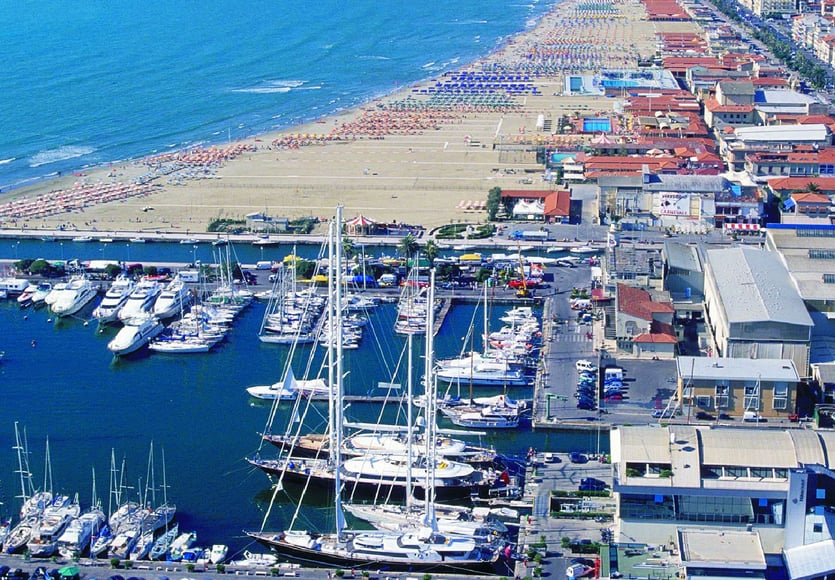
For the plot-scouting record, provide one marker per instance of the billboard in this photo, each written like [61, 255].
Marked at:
[674, 204]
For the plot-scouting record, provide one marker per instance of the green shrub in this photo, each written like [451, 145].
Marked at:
[114, 563]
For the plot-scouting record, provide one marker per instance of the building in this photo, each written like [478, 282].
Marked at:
[260, 222]
[734, 386]
[643, 325]
[683, 278]
[738, 142]
[757, 480]
[753, 310]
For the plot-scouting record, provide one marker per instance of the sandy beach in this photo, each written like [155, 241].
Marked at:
[410, 157]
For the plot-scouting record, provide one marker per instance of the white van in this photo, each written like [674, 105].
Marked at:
[580, 304]
[751, 416]
[387, 280]
[263, 265]
[585, 365]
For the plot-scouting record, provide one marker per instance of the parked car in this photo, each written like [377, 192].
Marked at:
[613, 397]
[577, 457]
[704, 416]
[665, 413]
[585, 365]
[592, 484]
[552, 458]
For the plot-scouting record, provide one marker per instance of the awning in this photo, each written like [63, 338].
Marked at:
[743, 227]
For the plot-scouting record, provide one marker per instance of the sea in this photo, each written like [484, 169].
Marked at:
[88, 84]
[93, 83]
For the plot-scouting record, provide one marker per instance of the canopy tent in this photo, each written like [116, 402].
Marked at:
[359, 226]
[529, 209]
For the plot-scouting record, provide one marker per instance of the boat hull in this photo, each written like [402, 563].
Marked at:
[302, 555]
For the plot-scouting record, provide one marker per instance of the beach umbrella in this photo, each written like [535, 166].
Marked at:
[68, 572]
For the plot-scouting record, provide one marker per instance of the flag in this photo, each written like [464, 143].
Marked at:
[505, 477]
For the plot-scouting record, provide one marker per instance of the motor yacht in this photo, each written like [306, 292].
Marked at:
[141, 300]
[77, 293]
[136, 333]
[172, 299]
[114, 299]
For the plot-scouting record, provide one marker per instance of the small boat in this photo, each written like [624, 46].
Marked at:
[136, 333]
[137, 240]
[189, 241]
[265, 242]
[219, 242]
[583, 250]
[272, 392]
[25, 298]
[182, 543]
[163, 543]
[38, 297]
[106, 240]
[218, 553]
[256, 560]
[82, 239]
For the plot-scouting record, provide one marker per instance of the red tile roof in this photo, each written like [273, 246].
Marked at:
[810, 198]
[558, 204]
[800, 183]
[655, 338]
[526, 193]
[638, 303]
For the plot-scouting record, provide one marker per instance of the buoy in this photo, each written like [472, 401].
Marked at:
[86, 323]
[49, 320]
[26, 317]
[33, 343]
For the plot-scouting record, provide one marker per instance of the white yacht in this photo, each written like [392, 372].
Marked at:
[77, 293]
[38, 298]
[114, 299]
[53, 522]
[172, 299]
[141, 300]
[77, 537]
[136, 333]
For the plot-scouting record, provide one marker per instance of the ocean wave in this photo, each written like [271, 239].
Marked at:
[59, 154]
[373, 57]
[276, 86]
[9, 160]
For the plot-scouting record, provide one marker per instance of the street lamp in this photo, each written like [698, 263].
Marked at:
[62, 250]
[194, 254]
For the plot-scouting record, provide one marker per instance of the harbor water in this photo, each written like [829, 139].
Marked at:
[60, 382]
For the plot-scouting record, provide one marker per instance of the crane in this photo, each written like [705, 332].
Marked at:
[523, 291]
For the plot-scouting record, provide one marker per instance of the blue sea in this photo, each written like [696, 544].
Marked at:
[89, 83]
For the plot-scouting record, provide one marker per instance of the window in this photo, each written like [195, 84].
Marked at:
[752, 398]
[722, 396]
[781, 473]
[703, 401]
[761, 472]
[781, 396]
[736, 472]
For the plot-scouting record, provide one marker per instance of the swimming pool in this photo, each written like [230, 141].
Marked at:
[595, 124]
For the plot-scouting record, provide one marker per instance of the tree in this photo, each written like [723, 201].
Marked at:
[348, 249]
[494, 203]
[431, 250]
[408, 246]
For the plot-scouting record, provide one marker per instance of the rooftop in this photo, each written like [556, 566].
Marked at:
[755, 286]
[717, 368]
[721, 549]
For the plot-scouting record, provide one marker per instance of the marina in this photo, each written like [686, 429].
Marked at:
[181, 394]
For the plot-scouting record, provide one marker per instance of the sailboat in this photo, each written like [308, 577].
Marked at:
[424, 550]
[33, 502]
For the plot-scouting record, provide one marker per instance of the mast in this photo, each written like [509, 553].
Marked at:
[410, 432]
[47, 471]
[337, 392]
[25, 476]
[431, 409]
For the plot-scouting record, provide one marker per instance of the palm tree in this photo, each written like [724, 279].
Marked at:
[430, 249]
[408, 246]
[348, 249]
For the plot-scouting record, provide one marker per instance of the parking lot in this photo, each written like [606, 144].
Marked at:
[570, 396]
